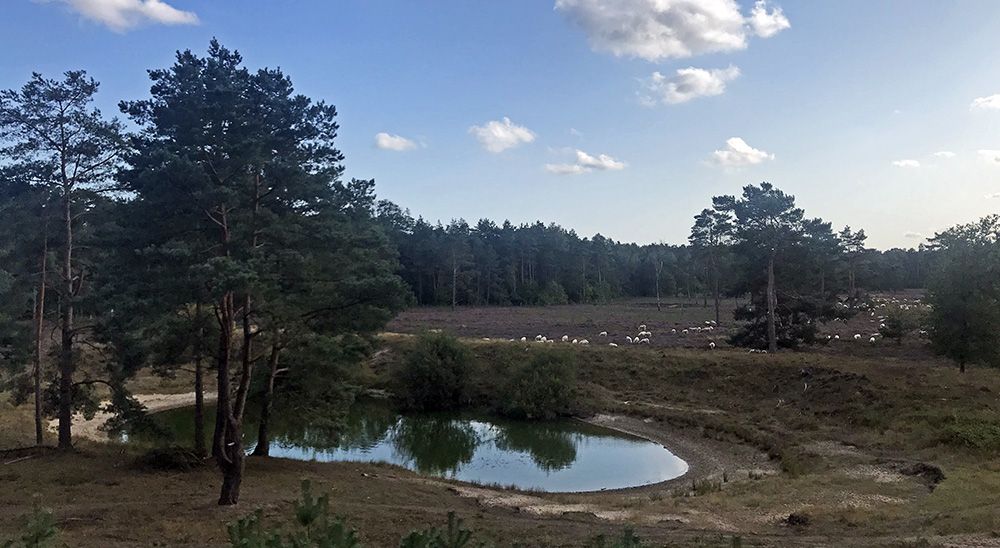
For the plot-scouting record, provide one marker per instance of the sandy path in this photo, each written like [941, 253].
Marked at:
[91, 428]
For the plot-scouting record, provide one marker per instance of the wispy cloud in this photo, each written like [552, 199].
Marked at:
[499, 135]
[388, 141]
[914, 235]
[909, 164]
[989, 156]
[944, 154]
[123, 15]
[990, 102]
[737, 153]
[585, 163]
[687, 84]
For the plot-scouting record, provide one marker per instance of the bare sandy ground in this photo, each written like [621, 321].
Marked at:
[91, 429]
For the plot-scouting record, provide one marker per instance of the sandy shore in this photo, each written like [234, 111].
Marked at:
[91, 428]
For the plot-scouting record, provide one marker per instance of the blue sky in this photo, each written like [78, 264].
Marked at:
[843, 104]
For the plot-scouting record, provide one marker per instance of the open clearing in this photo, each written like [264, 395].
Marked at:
[874, 446]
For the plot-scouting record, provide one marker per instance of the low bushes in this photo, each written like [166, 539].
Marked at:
[438, 372]
[435, 373]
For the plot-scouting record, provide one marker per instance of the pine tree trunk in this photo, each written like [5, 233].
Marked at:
[772, 304]
[199, 388]
[454, 281]
[66, 350]
[39, 328]
[228, 443]
[658, 269]
[263, 447]
[717, 302]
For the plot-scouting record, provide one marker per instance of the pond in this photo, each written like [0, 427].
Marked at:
[557, 456]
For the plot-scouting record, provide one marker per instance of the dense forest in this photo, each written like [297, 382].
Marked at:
[538, 264]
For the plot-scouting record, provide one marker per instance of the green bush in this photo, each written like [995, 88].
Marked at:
[39, 531]
[976, 434]
[435, 373]
[552, 294]
[315, 527]
[542, 387]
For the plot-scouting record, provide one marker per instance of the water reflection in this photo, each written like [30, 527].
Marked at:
[561, 455]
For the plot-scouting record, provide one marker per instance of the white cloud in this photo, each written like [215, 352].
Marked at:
[767, 23]
[565, 169]
[386, 141]
[601, 162]
[687, 84]
[585, 163]
[737, 153]
[122, 15]
[990, 102]
[497, 136]
[992, 196]
[662, 29]
[913, 235]
[990, 156]
[944, 154]
[906, 163]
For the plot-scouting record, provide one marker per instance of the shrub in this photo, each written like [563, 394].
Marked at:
[976, 434]
[627, 539]
[39, 531]
[543, 387]
[315, 527]
[435, 374]
[552, 294]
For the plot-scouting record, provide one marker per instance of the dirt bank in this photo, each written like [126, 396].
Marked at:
[91, 429]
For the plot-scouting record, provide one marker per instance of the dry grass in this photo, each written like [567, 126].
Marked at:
[848, 428]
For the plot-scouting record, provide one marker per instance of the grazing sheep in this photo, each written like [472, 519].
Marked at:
[603, 334]
[642, 327]
[613, 344]
[584, 341]
[673, 331]
[538, 337]
[565, 338]
[872, 340]
[575, 341]
[685, 332]
[628, 339]
[524, 339]
[857, 336]
[644, 341]
[836, 337]
[711, 346]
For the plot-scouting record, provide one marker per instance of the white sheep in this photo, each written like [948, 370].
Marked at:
[538, 337]
[575, 341]
[603, 334]
[584, 341]
[628, 339]
[565, 338]
[836, 337]
[524, 339]
[857, 336]
[673, 331]
[642, 327]
[613, 344]
[711, 345]
[644, 341]
[872, 340]
[685, 332]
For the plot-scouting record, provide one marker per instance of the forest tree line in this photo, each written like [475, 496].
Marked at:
[538, 264]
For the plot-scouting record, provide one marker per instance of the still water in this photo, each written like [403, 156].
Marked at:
[557, 456]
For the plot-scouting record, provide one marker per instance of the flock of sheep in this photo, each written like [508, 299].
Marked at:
[642, 337]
